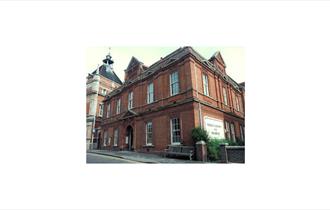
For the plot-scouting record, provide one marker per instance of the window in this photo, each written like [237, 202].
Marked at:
[225, 96]
[118, 106]
[105, 138]
[205, 85]
[232, 129]
[150, 93]
[242, 132]
[130, 100]
[149, 133]
[237, 104]
[174, 83]
[115, 138]
[175, 131]
[108, 110]
[100, 110]
[227, 130]
[104, 91]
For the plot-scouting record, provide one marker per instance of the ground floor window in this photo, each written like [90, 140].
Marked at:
[149, 133]
[175, 131]
[232, 129]
[242, 132]
[227, 130]
[105, 138]
[115, 138]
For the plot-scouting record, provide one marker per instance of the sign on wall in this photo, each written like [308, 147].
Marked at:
[214, 127]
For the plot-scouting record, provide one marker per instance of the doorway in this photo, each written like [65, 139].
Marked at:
[129, 135]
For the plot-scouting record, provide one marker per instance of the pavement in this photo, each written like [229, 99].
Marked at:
[140, 157]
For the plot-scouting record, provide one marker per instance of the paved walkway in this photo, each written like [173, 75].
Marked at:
[141, 157]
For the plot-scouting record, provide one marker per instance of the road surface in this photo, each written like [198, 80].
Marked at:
[97, 158]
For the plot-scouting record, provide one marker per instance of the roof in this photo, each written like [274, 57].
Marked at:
[108, 74]
[168, 60]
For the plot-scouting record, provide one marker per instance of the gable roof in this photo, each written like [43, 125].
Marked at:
[217, 55]
[111, 75]
[133, 62]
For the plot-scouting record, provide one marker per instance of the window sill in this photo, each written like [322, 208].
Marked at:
[148, 146]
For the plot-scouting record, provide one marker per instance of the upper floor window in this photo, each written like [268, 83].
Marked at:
[225, 96]
[150, 93]
[103, 91]
[108, 110]
[149, 133]
[206, 84]
[237, 104]
[118, 106]
[130, 100]
[175, 131]
[174, 83]
[100, 110]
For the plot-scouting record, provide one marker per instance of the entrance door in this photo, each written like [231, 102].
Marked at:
[129, 134]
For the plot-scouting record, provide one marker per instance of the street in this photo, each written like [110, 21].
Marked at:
[97, 158]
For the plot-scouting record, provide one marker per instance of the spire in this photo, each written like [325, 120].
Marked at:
[108, 61]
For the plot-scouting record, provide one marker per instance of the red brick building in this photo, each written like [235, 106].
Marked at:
[99, 83]
[159, 105]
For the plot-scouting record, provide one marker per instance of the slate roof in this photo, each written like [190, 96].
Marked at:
[168, 60]
[108, 74]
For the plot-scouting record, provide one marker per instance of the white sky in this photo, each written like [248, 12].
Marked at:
[233, 57]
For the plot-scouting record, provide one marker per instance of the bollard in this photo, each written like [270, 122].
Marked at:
[201, 151]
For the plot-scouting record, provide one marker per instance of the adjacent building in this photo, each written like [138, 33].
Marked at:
[159, 105]
[100, 82]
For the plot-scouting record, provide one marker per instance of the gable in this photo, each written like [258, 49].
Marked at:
[133, 63]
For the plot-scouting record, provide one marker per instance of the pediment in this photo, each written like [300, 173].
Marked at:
[129, 114]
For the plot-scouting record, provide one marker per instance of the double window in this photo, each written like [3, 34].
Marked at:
[130, 100]
[205, 85]
[108, 110]
[115, 138]
[175, 131]
[118, 106]
[149, 133]
[150, 93]
[174, 83]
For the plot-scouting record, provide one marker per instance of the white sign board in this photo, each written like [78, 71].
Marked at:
[214, 127]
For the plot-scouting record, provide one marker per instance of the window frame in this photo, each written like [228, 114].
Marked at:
[118, 106]
[130, 100]
[150, 94]
[232, 132]
[108, 110]
[149, 132]
[225, 99]
[175, 83]
[115, 137]
[237, 103]
[172, 131]
[205, 84]
[101, 111]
